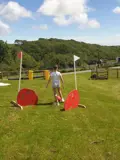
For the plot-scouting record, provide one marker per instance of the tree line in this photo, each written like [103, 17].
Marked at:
[44, 53]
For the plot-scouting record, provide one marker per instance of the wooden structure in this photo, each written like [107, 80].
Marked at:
[14, 75]
[1, 75]
[114, 72]
[99, 74]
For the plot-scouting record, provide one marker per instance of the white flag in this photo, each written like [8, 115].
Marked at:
[76, 58]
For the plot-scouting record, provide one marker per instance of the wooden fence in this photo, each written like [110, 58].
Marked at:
[114, 72]
[105, 73]
[14, 75]
[99, 73]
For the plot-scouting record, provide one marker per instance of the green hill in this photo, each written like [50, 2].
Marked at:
[44, 53]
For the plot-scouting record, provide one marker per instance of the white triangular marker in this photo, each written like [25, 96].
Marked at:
[76, 58]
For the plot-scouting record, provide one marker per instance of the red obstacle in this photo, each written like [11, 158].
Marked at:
[72, 101]
[26, 97]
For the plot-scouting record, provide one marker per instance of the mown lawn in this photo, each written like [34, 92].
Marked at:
[46, 133]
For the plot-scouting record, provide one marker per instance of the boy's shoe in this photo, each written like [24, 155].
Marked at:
[58, 103]
[63, 100]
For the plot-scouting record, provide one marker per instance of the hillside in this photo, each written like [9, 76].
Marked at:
[44, 53]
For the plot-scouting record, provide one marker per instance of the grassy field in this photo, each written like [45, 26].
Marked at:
[46, 133]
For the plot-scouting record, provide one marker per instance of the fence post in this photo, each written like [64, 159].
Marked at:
[30, 75]
[1, 76]
[46, 74]
[117, 73]
[108, 73]
[7, 75]
[97, 71]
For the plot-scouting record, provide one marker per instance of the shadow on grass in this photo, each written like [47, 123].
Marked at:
[79, 106]
[45, 104]
[62, 110]
[49, 104]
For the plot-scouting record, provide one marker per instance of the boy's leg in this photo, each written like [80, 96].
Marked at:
[60, 94]
[54, 92]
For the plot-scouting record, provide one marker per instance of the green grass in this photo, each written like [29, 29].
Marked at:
[45, 133]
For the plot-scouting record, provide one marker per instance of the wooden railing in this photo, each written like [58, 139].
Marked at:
[14, 75]
[105, 73]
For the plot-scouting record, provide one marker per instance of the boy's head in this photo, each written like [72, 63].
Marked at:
[55, 67]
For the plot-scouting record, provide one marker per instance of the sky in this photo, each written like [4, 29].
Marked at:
[90, 21]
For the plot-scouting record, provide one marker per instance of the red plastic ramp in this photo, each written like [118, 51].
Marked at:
[27, 97]
[72, 100]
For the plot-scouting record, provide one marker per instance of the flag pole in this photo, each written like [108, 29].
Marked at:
[20, 72]
[75, 76]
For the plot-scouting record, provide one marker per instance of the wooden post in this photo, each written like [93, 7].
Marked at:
[46, 74]
[2, 75]
[107, 73]
[30, 74]
[117, 73]
[97, 70]
[7, 75]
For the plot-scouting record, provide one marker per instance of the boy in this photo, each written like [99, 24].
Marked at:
[56, 77]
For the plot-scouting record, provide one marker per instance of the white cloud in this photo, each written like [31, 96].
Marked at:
[93, 23]
[12, 11]
[62, 20]
[117, 10]
[41, 27]
[66, 12]
[4, 29]
[90, 24]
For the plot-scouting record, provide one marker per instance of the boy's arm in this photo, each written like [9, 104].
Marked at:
[61, 77]
[48, 82]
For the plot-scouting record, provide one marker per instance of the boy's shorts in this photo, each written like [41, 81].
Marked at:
[55, 85]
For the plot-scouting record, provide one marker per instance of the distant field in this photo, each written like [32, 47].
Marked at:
[45, 133]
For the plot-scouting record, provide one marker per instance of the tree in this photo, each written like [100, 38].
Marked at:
[3, 50]
[47, 52]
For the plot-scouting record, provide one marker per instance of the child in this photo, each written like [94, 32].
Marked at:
[56, 77]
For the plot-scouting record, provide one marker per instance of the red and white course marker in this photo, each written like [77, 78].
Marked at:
[72, 101]
[27, 97]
